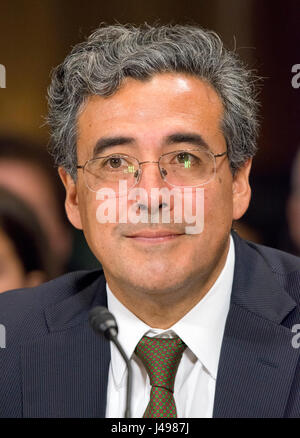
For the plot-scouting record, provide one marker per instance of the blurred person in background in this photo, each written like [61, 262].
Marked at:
[24, 255]
[28, 171]
[293, 205]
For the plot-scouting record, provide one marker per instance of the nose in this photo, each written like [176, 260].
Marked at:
[149, 178]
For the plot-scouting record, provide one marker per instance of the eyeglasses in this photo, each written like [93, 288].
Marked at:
[182, 168]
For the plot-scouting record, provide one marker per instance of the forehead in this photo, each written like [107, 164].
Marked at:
[153, 108]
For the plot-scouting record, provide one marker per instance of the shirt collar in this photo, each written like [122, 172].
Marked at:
[201, 329]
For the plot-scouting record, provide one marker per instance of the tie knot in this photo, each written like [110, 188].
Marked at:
[161, 357]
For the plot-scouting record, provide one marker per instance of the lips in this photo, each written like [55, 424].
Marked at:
[154, 236]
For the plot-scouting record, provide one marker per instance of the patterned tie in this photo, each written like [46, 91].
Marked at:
[161, 357]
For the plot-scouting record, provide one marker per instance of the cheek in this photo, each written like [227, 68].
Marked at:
[99, 236]
[87, 205]
[218, 206]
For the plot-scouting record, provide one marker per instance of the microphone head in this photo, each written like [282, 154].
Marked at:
[102, 321]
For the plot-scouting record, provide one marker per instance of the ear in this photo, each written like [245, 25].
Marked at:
[71, 201]
[241, 190]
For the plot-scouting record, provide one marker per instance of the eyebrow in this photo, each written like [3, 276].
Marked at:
[108, 142]
[178, 137]
[182, 137]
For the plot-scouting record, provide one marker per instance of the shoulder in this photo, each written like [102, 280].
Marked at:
[284, 267]
[280, 262]
[19, 305]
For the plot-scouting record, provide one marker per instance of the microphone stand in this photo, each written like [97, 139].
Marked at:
[114, 339]
[104, 323]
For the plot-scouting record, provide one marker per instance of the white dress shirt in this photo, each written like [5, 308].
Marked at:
[201, 329]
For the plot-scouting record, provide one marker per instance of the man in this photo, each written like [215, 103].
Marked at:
[133, 111]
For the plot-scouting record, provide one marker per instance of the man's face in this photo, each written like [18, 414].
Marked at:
[149, 113]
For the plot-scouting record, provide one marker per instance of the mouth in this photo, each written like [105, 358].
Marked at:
[153, 237]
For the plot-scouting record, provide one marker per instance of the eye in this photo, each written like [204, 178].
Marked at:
[187, 159]
[183, 156]
[115, 162]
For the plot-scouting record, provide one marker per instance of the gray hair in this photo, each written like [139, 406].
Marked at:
[99, 65]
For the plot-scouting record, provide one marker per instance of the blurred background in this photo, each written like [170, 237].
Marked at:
[36, 35]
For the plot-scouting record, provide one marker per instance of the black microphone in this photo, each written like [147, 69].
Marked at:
[103, 322]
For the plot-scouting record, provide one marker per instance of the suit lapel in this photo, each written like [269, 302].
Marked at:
[257, 361]
[65, 373]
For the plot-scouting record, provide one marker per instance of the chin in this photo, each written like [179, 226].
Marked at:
[153, 282]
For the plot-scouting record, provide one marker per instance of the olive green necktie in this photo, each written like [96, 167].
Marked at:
[161, 357]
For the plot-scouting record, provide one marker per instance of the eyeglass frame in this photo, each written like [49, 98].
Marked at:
[153, 162]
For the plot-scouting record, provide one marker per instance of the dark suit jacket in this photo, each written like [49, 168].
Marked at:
[54, 365]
